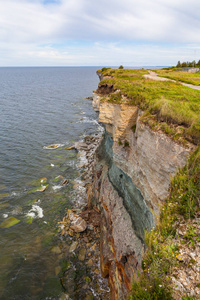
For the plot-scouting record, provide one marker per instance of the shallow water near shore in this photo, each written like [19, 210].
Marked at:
[39, 107]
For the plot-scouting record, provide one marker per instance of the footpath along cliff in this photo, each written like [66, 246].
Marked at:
[144, 146]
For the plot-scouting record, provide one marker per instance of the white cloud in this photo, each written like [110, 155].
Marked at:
[30, 31]
[97, 54]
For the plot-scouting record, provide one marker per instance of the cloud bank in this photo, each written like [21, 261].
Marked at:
[85, 32]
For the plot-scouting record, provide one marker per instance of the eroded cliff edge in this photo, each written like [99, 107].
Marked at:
[132, 172]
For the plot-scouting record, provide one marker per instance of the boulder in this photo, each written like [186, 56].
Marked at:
[76, 222]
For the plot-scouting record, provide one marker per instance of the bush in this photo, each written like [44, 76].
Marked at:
[105, 69]
[126, 143]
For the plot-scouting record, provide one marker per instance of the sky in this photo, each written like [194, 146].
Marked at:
[99, 33]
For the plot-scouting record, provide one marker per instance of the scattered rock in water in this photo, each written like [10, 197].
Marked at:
[72, 223]
[82, 280]
[81, 146]
[69, 281]
[86, 239]
[57, 270]
[4, 205]
[3, 196]
[70, 148]
[38, 181]
[41, 188]
[64, 297]
[77, 223]
[11, 221]
[75, 186]
[57, 178]
[82, 253]
[90, 227]
[65, 181]
[90, 263]
[29, 219]
[85, 261]
[43, 180]
[96, 271]
[73, 246]
[94, 247]
[88, 98]
[71, 232]
[56, 250]
[52, 146]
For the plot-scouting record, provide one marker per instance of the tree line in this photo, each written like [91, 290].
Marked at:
[188, 64]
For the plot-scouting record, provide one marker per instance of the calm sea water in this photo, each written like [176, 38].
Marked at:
[38, 107]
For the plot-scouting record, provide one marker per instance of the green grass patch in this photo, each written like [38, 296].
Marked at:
[186, 77]
[115, 97]
[185, 190]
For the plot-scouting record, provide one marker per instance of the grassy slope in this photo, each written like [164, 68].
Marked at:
[170, 102]
[162, 254]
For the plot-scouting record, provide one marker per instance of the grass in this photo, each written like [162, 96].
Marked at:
[162, 253]
[191, 78]
[170, 102]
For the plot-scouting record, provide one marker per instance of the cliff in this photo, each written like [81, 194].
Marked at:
[133, 169]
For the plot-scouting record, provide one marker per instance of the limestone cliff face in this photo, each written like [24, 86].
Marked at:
[132, 173]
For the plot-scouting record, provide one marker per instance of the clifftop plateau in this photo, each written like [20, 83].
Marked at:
[146, 184]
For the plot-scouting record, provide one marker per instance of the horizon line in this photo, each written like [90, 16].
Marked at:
[106, 66]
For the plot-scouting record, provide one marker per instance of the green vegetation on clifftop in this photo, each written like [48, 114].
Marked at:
[169, 102]
[174, 74]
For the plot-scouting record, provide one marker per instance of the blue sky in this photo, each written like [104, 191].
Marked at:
[98, 33]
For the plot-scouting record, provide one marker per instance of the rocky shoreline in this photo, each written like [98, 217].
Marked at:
[81, 277]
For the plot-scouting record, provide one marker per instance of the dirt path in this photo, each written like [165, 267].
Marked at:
[154, 76]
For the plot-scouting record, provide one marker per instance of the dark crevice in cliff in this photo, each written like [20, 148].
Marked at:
[106, 89]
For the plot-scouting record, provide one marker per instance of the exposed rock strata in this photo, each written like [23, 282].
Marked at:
[132, 173]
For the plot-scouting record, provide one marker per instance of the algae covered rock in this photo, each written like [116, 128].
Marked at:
[3, 196]
[52, 146]
[9, 222]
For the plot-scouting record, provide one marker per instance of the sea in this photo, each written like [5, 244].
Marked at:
[43, 111]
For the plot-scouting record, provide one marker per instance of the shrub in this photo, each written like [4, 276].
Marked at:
[126, 144]
[105, 69]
